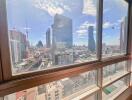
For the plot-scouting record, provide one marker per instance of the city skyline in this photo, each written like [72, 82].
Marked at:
[50, 34]
[38, 24]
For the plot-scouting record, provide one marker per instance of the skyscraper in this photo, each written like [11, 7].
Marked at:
[123, 35]
[91, 41]
[62, 32]
[18, 43]
[48, 38]
[62, 40]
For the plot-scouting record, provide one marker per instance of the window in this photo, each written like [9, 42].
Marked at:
[57, 49]
[45, 34]
[113, 90]
[115, 20]
[114, 71]
[72, 88]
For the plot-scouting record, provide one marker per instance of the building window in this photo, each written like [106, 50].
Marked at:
[46, 34]
[62, 89]
[114, 71]
[115, 20]
[112, 91]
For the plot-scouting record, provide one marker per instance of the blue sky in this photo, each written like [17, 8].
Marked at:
[38, 15]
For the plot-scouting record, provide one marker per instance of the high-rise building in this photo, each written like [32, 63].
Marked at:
[62, 32]
[48, 38]
[91, 41]
[62, 40]
[123, 35]
[18, 45]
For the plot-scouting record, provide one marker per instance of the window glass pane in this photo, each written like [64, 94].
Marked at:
[51, 33]
[72, 88]
[115, 20]
[115, 89]
[114, 71]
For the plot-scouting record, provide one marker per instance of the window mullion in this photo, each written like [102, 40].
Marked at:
[1, 77]
[99, 28]
[99, 45]
[4, 43]
[129, 41]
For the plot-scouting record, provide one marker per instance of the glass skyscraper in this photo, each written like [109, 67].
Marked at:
[62, 32]
[91, 41]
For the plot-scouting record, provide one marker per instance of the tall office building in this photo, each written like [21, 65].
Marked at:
[48, 38]
[62, 40]
[62, 32]
[123, 35]
[18, 45]
[91, 41]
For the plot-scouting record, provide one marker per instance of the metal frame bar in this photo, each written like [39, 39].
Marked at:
[129, 37]
[1, 76]
[29, 82]
[126, 85]
[1, 31]
[4, 46]
[116, 80]
[99, 46]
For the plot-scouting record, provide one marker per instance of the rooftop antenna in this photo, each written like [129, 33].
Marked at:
[27, 29]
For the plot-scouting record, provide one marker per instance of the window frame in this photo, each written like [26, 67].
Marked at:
[6, 61]
[1, 77]
[127, 69]
[128, 50]
[20, 82]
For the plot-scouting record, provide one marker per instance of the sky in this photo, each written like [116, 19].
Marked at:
[37, 16]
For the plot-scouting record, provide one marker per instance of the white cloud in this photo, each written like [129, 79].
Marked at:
[27, 28]
[110, 25]
[122, 3]
[106, 10]
[89, 7]
[121, 20]
[83, 28]
[107, 25]
[86, 24]
[51, 6]
[81, 31]
[66, 8]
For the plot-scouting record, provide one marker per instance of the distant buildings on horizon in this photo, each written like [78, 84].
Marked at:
[19, 43]
[59, 45]
[61, 36]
